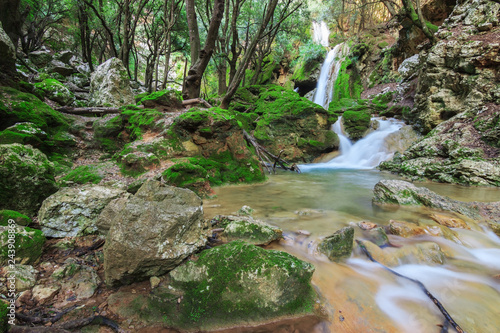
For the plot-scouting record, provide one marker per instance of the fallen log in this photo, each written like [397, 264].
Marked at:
[441, 308]
[196, 101]
[92, 110]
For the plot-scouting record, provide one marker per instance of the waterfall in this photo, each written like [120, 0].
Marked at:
[366, 153]
[331, 66]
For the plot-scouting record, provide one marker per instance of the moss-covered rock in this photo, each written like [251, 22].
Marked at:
[28, 244]
[339, 245]
[163, 100]
[246, 228]
[26, 178]
[56, 91]
[238, 283]
[138, 120]
[24, 133]
[356, 123]
[107, 132]
[19, 219]
[16, 106]
[288, 122]
[83, 174]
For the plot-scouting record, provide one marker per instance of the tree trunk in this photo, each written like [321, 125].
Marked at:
[240, 72]
[192, 84]
[194, 35]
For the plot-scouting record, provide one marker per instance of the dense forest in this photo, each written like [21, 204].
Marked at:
[249, 165]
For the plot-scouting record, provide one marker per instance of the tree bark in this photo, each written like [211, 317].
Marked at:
[194, 34]
[192, 84]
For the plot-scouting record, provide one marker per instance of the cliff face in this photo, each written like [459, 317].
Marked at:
[457, 101]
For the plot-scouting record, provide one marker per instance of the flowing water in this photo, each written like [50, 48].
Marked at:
[359, 295]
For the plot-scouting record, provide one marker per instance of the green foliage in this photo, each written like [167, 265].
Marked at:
[4, 310]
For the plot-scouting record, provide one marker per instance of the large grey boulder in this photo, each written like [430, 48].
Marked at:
[154, 231]
[74, 211]
[26, 178]
[110, 85]
[406, 194]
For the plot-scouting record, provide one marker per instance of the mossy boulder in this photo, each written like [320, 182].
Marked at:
[24, 133]
[163, 100]
[356, 123]
[246, 228]
[239, 283]
[339, 245]
[137, 121]
[74, 211]
[288, 122]
[56, 91]
[16, 107]
[19, 219]
[26, 178]
[28, 244]
[83, 174]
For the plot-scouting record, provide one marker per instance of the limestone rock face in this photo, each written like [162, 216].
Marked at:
[459, 71]
[110, 85]
[26, 178]
[7, 52]
[154, 231]
[241, 283]
[409, 67]
[74, 211]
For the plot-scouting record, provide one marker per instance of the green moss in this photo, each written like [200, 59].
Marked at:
[28, 245]
[56, 91]
[171, 98]
[222, 296]
[139, 120]
[82, 175]
[356, 123]
[16, 107]
[218, 169]
[19, 219]
[348, 83]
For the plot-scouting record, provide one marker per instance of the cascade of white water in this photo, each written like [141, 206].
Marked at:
[320, 33]
[366, 153]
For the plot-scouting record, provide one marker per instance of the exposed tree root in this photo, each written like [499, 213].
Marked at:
[265, 156]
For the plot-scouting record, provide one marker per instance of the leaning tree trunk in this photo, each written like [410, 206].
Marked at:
[192, 84]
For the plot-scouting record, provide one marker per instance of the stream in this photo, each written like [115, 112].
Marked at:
[360, 296]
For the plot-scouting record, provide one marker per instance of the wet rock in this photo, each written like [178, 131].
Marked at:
[246, 228]
[339, 245]
[448, 221]
[366, 225]
[240, 283]
[28, 244]
[26, 178]
[245, 211]
[378, 236]
[74, 211]
[427, 253]
[110, 85]
[155, 231]
[7, 53]
[404, 193]
[405, 229]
